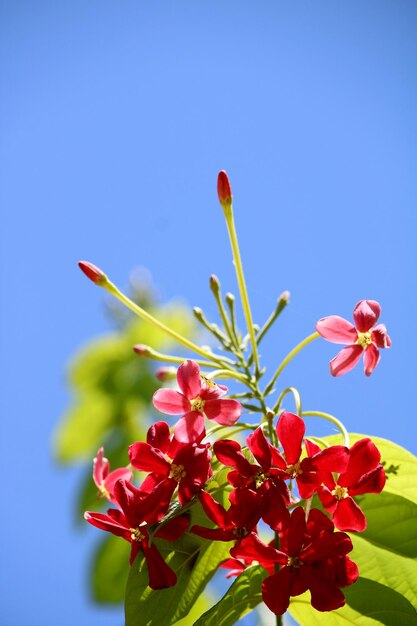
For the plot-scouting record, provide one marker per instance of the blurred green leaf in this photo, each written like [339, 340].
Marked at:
[110, 570]
[243, 596]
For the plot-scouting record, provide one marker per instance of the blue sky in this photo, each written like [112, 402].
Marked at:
[115, 118]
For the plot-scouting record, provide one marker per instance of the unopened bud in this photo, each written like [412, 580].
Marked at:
[230, 299]
[214, 284]
[93, 272]
[224, 190]
[284, 297]
[198, 313]
[142, 350]
[165, 373]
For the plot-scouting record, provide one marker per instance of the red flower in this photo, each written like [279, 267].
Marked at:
[312, 557]
[198, 397]
[264, 478]
[363, 338]
[172, 463]
[237, 522]
[364, 474]
[308, 471]
[140, 509]
[106, 480]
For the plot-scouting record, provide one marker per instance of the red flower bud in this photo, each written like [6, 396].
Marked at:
[224, 189]
[141, 349]
[92, 272]
[166, 373]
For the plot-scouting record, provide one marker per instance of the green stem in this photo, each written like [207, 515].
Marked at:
[158, 356]
[289, 358]
[111, 288]
[242, 284]
[297, 400]
[222, 373]
[330, 418]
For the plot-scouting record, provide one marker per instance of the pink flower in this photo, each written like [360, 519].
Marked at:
[104, 479]
[198, 397]
[363, 338]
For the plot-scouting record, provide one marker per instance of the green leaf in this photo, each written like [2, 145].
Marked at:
[395, 571]
[243, 596]
[194, 560]
[110, 569]
[368, 603]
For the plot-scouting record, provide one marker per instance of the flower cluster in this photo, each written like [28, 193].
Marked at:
[275, 482]
[267, 483]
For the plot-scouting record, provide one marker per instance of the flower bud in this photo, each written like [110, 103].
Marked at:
[224, 190]
[166, 373]
[198, 313]
[142, 350]
[214, 284]
[93, 272]
[230, 299]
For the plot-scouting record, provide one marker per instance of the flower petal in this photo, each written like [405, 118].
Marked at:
[158, 436]
[373, 482]
[325, 595]
[145, 458]
[365, 314]
[121, 473]
[225, 412]
[290, 430]
[276, 591]
[215, 511]
[380, 336]
[161, 575]
[190, 428]
[364, 457]
[336, 329]
[345, 360]
[189, 380]
[371, 359]
[260, 448]
[170, 401]
[349, 516]
[101, 467]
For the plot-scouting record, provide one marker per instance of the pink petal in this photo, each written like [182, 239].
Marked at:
[190, 428]
[225, 412]
[365, 314]
[170, 401]
[189, 380]
[336, 329]
[345, 360]
[290, 430]
[371, 359]
[380, 336]
[122, 473]
[101, 467]
[349, 516]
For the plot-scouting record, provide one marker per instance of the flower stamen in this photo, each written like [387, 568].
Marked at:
[177, 472]
[340, 492]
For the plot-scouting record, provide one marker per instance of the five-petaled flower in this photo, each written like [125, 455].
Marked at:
[138, 510]
[364, 474]
[175, 464]
[364, 338]
[198, 397]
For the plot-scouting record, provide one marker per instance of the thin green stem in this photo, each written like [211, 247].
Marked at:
[150, 353]
[289, 358]
[111, 288]
[242, 284]
[330, 418]
[222, 373]
[297, 400]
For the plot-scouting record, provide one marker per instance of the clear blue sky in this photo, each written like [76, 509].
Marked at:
[115, 118]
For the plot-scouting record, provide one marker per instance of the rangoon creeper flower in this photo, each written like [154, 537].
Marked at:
[186, 465]
[198, 397]
[312, 557]
[138, 511]
[364, 338]
[104, 479]
[364, 474]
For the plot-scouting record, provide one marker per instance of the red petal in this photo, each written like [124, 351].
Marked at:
[371, 359]
[158, 436]
[364, 457]
[224, 412]
[296, 531]
[145, 458]
[189, 379]
[190, 428]
[174, 529]
[349, 516]
[251, 548]
[170, 401]
[336, 329]
[345, 360]
[213, 534]
[328, 501]
[104, 522]
[230, 454]
[365, 314]
[260, 448]
[246, 509]
[215, 511]
[290, 430]
[276, 591]
[161, 575]
[325, 595]
[333, 459]
[122, 473]
[373, 482]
